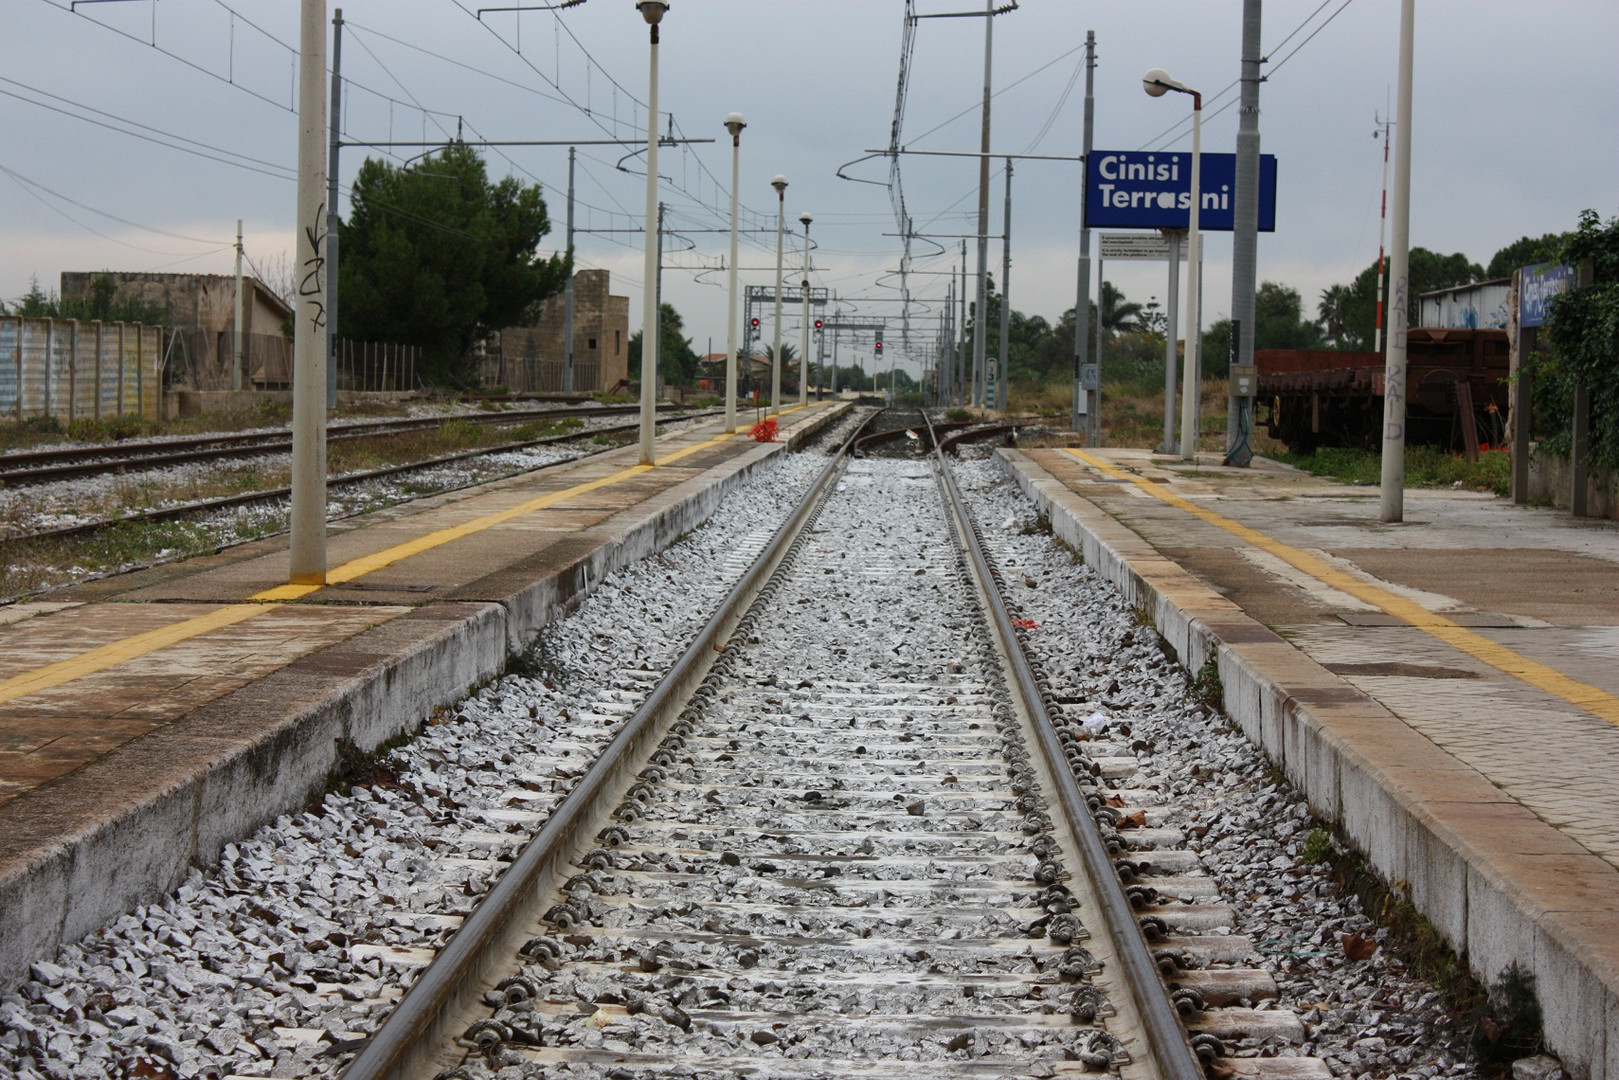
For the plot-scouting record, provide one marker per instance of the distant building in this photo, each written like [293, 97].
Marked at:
[529, 359]
[753, 375]
[1479, 306]
[202, 307]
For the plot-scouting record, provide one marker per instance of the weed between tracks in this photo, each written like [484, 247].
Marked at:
[1501, 1022]
[30, 565]
[1206, 688]
[540, 660]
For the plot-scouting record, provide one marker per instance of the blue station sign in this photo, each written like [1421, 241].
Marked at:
[1538, 284]
[1137, 189]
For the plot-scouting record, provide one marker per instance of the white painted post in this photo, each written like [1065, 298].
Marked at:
[1392, 500]
[308, 543]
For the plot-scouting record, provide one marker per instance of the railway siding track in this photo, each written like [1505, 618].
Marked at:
[31, 467]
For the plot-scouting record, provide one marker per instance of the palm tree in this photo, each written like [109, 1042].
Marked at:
[1118, 314]
[1334, 312]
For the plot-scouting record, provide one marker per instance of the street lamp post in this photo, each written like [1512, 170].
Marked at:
[734, 124]
[780, 184]
[652, 11]
[1156, 83]
[803, 349]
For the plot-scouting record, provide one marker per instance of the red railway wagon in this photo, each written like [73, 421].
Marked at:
[1456, 389]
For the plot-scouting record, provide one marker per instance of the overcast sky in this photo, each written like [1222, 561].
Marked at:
[1516, 130]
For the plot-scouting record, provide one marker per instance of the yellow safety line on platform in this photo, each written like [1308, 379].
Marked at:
[138, 645]
[77, 667]
[1592, 699]
[367, 564]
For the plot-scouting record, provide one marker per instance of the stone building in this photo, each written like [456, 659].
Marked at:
[202, 307]
[528, 359]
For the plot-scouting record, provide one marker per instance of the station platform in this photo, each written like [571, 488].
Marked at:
[148, 719]
[1445, 690]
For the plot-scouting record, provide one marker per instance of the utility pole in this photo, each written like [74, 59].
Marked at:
[1006, 291]
[804, 343]
[657, 360]
[1392, 498]
[1382, 227]
[236, 349]
[333, 142]
[308, 541]
[1081, 411]
[1244, 250]
[567, 293]
[979, 341]
[968, 376]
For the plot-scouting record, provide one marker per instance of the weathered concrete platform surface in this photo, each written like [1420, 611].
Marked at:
[1444, 689]
[149, 719]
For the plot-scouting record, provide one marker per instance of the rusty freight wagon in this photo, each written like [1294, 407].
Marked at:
[1456, 388]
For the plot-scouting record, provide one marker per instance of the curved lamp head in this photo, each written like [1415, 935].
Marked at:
[652, 10]
[806, 219]
[734, 124]
[1156, 82]
[779, 182]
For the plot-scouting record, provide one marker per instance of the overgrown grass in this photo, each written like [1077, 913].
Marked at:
[1133, 411]
[1425, 466]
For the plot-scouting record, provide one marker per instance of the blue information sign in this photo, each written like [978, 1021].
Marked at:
[1137, 189]
[1538, 284]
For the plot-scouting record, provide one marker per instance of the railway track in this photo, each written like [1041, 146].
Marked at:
[252, 498]
[843, 837]
[46, 466]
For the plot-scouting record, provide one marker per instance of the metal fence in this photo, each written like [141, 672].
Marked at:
[375, 366]
[206, 360]
[76, 370]
[530, 375]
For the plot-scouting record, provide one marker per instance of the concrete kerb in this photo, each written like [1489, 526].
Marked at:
[119, 833]
[1305, 718]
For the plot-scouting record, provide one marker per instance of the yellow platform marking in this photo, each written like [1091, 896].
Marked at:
[1592, 699]
[138, 645]
[76, 667]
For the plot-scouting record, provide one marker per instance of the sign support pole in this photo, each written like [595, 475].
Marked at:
[1172, 308]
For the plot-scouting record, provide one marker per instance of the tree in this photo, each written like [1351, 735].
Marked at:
[1526, 252]
[677, 362]
[1583, 327]
[1119, 316]
[435, 255]
[1349, 313]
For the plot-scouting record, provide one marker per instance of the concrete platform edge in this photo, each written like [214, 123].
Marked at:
[117, 833]
[1345, 753]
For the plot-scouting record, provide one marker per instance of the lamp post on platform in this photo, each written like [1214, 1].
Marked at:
[780, 184]
[1156, 82]
[803, 349]
[734, 124]
[652, 11]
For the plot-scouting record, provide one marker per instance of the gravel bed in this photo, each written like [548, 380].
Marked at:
[276, 961]
[83, 499]
[834, 870]
[1366, 1017]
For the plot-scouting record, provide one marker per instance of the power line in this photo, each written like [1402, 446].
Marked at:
[19, 177]
[28, 187]
[208, 151]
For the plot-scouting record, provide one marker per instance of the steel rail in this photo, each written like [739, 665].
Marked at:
[226, 502]
[1165, 1034]
[124, 457]
[417, 1025]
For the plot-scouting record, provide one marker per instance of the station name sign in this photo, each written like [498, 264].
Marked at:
[1136, 189]
[1538, 284]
